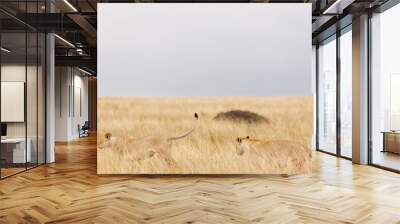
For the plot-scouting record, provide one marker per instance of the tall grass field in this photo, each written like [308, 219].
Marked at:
[141, 126]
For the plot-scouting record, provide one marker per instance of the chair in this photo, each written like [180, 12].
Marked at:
[84, 130]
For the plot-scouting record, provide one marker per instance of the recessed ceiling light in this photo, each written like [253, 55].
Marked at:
[5, 50]
[338, 6]
[84, 71]
[70, 5]
[64, 40]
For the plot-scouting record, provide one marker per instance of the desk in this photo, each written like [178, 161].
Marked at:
[391, 141]
[13, 150]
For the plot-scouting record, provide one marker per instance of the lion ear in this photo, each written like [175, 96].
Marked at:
[248, 137]
[107, 135]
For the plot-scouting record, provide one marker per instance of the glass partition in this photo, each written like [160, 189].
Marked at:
[22, 63]
[346, 93]
[14, 155]
[41, 97]
[35, 50]
[327, 96]
[31, 99]
[385, 89]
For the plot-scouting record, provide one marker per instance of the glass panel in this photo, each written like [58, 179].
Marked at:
[327, 96]
[31, 88]
[13, 86]
[23, 89]
[346, 93]
[41, 99]
[385, 84]
[31, 100]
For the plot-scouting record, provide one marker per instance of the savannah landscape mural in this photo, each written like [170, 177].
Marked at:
[204, 135]
[201, 89]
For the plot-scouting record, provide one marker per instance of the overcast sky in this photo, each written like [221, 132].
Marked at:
[202, 49]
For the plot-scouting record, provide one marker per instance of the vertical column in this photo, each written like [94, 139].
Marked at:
[50, 92]
[317, 106]
[50, 98]
[360, 89]
[338, 98]
[92, 100]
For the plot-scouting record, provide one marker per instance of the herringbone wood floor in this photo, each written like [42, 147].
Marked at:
[69, 191]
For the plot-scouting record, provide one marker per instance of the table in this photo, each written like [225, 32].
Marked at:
[13, 150]
[391, 141]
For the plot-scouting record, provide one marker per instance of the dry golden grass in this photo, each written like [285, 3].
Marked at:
[141, 124]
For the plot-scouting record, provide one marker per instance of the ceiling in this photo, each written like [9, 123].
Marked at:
[75, 21]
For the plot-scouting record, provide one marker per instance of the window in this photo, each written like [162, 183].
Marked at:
[327, 96]
[385, 89]
[346, 73]
[333, 137]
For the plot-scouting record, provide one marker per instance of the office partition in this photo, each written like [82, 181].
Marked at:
[385, 89]
[22, 77]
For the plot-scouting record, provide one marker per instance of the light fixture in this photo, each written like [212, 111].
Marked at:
[80, 51]
[70, 5]
[65, 41]
[84, 71]
[337, 7]
[5, 50]
[326, 11]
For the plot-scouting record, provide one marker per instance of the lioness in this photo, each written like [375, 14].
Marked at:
[145, 147]
[283, 153]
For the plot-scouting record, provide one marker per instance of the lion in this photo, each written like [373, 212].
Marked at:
[283, 153]
[150, 145]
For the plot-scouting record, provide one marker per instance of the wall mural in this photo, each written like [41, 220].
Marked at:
[204, 101]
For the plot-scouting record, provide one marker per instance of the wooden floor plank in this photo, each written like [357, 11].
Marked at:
[70, 191]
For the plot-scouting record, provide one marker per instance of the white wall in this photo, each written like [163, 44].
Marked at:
[81, 84]
[67, 117]
[15, 72]
[33, 127]
[62, 81]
